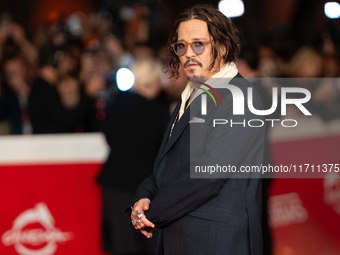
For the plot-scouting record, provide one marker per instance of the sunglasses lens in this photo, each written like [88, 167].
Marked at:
[198, 47]
[180, 48]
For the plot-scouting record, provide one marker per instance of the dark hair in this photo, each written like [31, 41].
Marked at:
[221, 29]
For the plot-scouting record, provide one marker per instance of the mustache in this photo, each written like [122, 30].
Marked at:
[192, 60]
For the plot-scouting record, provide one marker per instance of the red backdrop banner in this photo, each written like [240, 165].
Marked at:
[305, 213]
[50, 209]
[50, 202]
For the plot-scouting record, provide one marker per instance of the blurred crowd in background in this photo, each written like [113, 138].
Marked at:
[62, 78]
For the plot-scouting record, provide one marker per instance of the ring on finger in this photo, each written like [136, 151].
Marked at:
[140, 215]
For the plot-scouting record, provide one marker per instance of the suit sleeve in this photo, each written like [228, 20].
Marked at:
[241, 145]
[147, 189]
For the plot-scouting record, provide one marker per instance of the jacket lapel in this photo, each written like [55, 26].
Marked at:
[179, 127]
[192, 110]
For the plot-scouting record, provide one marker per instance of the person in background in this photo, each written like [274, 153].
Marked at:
[77, 103]
[56, 102]
[18, 79]
[306, 63]
[10, 115]
[134, 126]
[18, 58]
[14, 40]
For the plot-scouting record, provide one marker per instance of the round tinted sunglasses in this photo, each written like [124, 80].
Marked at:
[180, 48]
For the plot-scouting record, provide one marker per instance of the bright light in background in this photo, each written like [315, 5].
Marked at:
[231, 8]
[332, 10]
[125, 79]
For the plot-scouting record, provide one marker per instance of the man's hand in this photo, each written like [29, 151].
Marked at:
[138, 218]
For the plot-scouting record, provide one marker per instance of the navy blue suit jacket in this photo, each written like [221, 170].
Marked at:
[205, 215]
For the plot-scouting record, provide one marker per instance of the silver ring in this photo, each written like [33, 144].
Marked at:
[140, 215]
[133, 222]
[138, 221]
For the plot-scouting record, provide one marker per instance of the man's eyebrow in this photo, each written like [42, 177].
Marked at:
[194, 39]
[199, 39]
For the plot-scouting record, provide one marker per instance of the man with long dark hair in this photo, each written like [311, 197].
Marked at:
[195, 214]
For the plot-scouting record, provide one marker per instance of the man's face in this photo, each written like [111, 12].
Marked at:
[196, 66]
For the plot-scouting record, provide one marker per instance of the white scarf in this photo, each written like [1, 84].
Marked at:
[227, 72]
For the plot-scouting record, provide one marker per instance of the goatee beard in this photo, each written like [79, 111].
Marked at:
[196, 79]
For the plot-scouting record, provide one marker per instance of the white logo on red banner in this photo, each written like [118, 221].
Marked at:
[33, 232]
[331, 185]
[286, 209]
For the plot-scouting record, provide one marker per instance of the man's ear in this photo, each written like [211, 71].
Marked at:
[224, 50]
